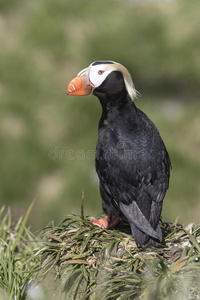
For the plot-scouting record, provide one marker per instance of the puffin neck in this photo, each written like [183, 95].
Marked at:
[113, 105]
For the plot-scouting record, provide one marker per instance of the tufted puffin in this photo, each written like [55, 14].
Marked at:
[132, 162]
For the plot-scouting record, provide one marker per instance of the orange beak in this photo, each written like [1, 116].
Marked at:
[77, 88]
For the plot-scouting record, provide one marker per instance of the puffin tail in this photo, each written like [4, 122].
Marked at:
[141, 229]
[142, 240]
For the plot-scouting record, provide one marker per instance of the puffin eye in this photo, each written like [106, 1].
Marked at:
[100, 72]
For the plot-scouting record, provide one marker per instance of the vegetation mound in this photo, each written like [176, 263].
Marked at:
[77, 260]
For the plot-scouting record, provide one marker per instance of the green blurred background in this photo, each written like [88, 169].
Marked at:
[45, 136]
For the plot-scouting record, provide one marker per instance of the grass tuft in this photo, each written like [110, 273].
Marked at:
[18, 264]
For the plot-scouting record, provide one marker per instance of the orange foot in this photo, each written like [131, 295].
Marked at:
[108, 222]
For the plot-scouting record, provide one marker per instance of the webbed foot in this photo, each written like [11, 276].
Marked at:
[108, 222]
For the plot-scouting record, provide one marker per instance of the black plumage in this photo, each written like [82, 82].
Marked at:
[132, 162]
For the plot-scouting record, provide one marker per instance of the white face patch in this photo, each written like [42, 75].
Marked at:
[98, 74]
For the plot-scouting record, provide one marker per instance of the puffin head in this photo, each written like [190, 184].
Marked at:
[102, 77]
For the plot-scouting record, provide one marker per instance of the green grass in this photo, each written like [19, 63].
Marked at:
[77, 260]
[18, 263]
